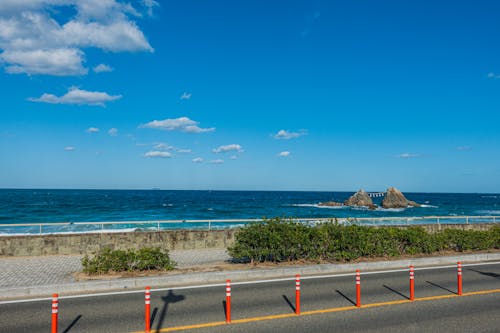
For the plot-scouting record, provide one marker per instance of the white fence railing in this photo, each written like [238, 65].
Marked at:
[121, 226]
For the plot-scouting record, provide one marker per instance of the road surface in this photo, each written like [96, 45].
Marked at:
[437, 308]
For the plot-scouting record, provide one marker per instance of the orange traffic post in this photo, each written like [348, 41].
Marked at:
[358, 288]
[55, 311]
[228, 301]
[459, 278]
[147, 312]
[297, 294]
[412, 283]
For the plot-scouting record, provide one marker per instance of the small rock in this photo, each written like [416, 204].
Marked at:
[395, 199]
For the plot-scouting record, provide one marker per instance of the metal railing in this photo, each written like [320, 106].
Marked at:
[123, 226]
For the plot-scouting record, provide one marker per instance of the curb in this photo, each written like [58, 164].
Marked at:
[192, 279]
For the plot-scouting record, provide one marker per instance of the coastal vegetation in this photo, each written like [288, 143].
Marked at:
[145, 259]
[278, 240]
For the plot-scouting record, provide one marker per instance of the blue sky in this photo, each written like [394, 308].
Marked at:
[250, 95]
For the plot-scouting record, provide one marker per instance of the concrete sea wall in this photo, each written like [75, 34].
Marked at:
[88, 243]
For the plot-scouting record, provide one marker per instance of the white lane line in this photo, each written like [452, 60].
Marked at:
[246, 282]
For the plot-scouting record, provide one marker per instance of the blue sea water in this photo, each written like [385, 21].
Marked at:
[33, 206]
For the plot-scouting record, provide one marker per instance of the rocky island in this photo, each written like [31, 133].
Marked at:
[393, 198]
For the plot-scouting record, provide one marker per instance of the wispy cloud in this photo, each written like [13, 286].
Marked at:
[234, 157]
[78, 96]
[184, 151]
[102, 68]
[218, 161]
[158, 154]
[287, 135]
[35, 43]
[493, 76]
[284, 154]
[163, 146]
[464, 148]
[182, 124]
[186, 95]
[91, 130]
[69, 148]
[113, 131]
[228, 148]
[408, 155]
[197, 160]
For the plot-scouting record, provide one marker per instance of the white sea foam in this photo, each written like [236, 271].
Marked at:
[393, 210]
[319, 206]
[429, 206]
[488, 212]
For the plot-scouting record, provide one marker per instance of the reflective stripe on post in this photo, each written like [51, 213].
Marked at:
[358, 288]
[55, 311]
[412, 283]
[228, 301]
[297, 294]
[459, 278]
[147, 312]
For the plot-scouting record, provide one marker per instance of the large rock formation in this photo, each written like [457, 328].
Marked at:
[395, 199]
[360, 199]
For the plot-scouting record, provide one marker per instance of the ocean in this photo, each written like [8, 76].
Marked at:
[35, 206]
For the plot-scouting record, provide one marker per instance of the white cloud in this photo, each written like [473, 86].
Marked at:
[183, 124]
[228, 148]
[494, 76]
[113, 131]
[92, 130]
[34, 42]
[408, 155]
[197, 160]
[219, 161]
[186, 95]
[184, 151]
[287, 135]
[464, 148]
[157, 153]
[234, 157]
[78, 97]
[162, 146]
[69, 148]
[57, 61]
[103, 68]
[284, 154]
[150, 5]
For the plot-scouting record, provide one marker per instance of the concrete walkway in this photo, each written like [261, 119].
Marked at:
[50, 270]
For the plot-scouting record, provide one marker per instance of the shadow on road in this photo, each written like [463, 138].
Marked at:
[289, 303]
[347, 298]
[73, 323]
[444, 288]
[396, 292]
[224, 307]
[168, 299]
[494, 275]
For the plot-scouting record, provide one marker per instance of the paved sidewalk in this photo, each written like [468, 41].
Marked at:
[50, 270]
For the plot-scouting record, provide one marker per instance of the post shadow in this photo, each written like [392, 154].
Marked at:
[444, 288]
[168, 299]
[73, 323]
[396, 292]
[289, 303]
[225, 309]
[491, 274]
[347, 298]
[153, 315]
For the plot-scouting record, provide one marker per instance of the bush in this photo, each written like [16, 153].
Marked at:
[107, 260]
[280, 240]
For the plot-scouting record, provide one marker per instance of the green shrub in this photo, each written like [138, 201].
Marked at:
[279, 240]
[107, 260]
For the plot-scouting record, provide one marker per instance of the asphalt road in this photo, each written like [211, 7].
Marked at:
[125, 313]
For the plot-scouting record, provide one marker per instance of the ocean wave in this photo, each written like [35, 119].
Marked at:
[318, 206]
[429, 206]
[490, 196]
[393, 210]
[488, 212]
